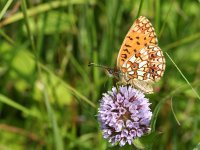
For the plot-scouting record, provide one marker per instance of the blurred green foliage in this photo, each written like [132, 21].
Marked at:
[48, 94]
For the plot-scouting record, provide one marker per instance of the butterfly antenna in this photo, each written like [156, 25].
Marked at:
[97, 65]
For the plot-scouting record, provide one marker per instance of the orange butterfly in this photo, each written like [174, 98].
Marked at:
[140, 61]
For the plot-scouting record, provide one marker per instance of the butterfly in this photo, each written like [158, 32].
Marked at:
[140, 60]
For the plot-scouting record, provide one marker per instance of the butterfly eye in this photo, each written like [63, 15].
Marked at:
[111, 71]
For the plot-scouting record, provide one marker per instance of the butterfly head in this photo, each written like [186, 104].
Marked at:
[111, 72]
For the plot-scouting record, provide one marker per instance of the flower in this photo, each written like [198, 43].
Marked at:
[124, 115]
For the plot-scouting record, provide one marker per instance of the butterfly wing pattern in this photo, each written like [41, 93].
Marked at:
[140, 61]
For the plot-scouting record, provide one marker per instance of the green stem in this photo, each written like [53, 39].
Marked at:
[140, 7]
[5, 8]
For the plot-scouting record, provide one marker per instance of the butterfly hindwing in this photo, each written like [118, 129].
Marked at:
[147, 65]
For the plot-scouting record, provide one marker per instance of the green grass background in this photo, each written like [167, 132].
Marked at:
[48, 94]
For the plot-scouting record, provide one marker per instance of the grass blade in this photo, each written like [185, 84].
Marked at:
[13, 104]
[183, 41]
[5, 8]
[195, 92]
[40, 9]
[140, 7]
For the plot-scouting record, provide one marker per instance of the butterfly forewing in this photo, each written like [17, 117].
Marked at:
[140, 35]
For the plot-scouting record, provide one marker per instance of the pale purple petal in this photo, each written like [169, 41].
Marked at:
[119, 125]
[139, 133]
[122, 142]
[124, 133]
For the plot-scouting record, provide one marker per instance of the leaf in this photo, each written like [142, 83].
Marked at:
[146, 141]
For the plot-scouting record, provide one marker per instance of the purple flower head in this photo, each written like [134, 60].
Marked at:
[124, 115]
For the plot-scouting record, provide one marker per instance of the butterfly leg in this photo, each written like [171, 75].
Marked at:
[117, 85]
